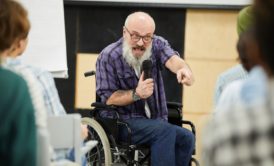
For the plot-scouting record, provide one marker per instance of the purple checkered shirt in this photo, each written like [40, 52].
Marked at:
[113, 73]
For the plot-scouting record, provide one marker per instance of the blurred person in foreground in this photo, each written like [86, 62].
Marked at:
[238, 72]
[142, 103]
[18, 131]
[248, 51]
[243, 135]
[40, 82]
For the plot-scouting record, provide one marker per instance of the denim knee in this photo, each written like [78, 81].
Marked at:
[186, 137]
[191, 141]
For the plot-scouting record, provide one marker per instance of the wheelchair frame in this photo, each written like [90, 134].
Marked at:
[108, 152]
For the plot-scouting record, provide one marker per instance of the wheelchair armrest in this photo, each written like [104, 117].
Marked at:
[178, 107]
[100, 105]
[103, 106]
[193, 129]
[174, 105]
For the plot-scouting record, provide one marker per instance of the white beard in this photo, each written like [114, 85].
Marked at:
[131, 59]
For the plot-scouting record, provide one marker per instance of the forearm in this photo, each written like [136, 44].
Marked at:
[120, 98]
[181, 69]
[175, 63]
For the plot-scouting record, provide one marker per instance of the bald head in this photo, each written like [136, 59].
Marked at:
[141, 20]
[138, 33]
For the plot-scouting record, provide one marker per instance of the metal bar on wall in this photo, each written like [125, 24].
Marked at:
[198, 4]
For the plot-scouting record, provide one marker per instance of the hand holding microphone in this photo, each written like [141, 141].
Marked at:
[145, 85]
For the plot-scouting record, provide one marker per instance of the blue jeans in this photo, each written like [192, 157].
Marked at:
[170, 145]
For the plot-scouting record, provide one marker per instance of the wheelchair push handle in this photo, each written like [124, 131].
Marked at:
[89, 73]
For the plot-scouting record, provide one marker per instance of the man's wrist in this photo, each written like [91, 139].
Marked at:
[135, 96]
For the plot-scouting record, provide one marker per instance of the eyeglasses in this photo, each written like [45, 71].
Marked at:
[136, 37]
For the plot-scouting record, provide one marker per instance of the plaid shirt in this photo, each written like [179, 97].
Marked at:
[34, 90]
[43, 92]
[45, 81]
[113, 73]
[50, 93]
[243, 134]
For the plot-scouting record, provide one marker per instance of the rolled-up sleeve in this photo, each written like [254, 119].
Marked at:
[164, 48]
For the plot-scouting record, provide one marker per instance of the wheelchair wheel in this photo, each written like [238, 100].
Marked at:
[101, 154]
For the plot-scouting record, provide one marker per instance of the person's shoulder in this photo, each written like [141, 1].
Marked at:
[237, 70]
[43, 77]
[14, 96]
[161, 44]
[11, 83]
[113, 50]
[9, 77]
[159, 41]
[234, 73]
[16, 65]
[229, 96]
[38, 71]
[254, 90]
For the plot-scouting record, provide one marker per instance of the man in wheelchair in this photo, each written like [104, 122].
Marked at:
[136, 88]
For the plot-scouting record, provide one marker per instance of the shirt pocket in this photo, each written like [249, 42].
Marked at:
[127, 80]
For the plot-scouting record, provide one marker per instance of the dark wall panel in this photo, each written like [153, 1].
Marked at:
[66, 87]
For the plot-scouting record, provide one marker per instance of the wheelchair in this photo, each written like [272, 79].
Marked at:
[109, 150]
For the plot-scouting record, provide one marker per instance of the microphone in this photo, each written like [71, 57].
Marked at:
[147, 68]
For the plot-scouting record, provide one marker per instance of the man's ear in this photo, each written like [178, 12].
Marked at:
[124, 31]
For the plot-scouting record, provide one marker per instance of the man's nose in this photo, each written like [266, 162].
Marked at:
[140, 42]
